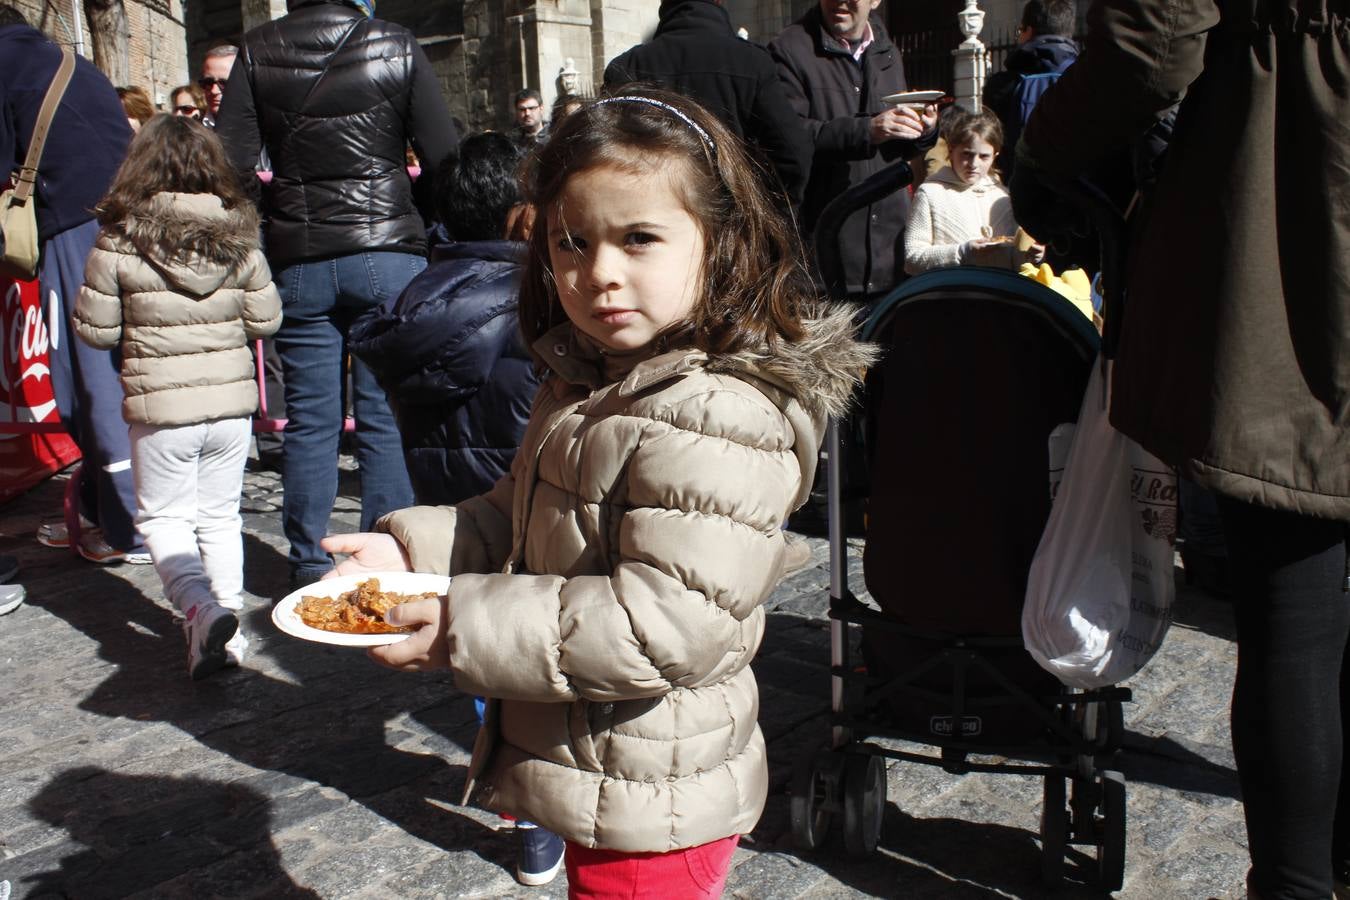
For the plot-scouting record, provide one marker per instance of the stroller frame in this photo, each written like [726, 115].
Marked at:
[847, 777]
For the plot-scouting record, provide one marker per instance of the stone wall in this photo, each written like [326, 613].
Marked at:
[157, 48]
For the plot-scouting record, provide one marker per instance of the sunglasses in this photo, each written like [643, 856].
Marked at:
[207, 83]
[186, 110]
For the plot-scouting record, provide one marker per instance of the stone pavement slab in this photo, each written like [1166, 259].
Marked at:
[311, 772]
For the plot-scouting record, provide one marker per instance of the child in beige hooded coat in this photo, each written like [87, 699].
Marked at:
[177, 280]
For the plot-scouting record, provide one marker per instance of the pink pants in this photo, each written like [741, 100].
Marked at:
[690, 874]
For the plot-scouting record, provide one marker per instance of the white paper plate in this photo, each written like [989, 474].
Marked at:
[920, 98]
[286, 617]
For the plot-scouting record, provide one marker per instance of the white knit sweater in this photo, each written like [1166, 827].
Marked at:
[947, 213]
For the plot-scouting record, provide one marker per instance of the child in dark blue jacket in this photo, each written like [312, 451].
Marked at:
[447, 350]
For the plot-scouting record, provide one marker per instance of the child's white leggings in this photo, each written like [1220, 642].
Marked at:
[188, 481]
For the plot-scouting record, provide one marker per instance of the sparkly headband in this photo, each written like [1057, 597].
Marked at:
[703, 135]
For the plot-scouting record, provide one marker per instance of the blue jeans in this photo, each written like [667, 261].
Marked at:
[320, 300]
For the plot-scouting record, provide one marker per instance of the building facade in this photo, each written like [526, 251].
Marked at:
[135, 42]
[484, 51]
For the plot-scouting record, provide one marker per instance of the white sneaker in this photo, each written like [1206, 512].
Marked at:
[235, 648]
[234, 604]
[11, 596]
[208, 627]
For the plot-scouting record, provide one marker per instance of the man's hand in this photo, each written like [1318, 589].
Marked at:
[424, 649]
[369, 553]
[929, 116]
[900, 124]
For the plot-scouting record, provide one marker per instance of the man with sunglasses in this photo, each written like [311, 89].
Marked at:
[215, 72]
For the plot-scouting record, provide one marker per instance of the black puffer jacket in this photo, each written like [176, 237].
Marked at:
[335, 97]
[448, 353]
[695, 53]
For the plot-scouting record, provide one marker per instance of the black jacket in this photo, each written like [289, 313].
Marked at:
[89, 133]
[335, 97]
[1038, 56]
[449, 354]
[836, 99]
[696, 53]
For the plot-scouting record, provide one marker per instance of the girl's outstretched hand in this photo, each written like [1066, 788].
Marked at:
[369, 552]
[426, 648]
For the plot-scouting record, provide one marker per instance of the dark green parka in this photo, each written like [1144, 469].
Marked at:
[1234, 360]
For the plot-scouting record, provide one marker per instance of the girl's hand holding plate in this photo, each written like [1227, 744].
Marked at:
[424, 649]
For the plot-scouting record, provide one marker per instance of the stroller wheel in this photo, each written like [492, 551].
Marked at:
[864, 802]
[1054, 830]
[1111, 831]
[815, 792]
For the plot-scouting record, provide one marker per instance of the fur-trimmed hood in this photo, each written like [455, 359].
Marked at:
[822, 371]
[192, 240]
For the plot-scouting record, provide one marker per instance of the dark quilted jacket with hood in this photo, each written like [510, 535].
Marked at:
[449, 354]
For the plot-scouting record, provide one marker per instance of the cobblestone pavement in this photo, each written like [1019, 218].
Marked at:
[313, 773]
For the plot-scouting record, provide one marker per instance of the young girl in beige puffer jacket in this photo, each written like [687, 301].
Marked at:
[608, 591]
[177, 280]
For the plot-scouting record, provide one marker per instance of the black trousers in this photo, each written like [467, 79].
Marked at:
[1290, 696]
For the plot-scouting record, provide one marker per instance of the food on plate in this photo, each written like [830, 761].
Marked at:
[358, 611]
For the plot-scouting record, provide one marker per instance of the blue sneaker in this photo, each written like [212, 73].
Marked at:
[540, 855]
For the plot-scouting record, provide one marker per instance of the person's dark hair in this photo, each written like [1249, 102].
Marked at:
[476, 190]
[528, 94]
[959, 127]
[170, 153]
[1050, 17]
[11, 16]
[754, 284]
[136, 103]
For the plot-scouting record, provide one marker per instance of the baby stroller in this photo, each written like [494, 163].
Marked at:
[949, 453]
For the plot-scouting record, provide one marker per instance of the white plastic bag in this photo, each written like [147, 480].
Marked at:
[1100, 591]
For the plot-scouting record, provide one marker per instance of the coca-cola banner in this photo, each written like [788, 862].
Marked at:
[33, 444]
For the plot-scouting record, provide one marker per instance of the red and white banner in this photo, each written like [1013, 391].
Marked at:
[33, 444]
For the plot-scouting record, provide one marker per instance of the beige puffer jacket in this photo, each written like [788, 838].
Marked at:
[636, 536]
[184, 288]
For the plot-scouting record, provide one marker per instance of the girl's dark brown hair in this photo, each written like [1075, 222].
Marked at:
[754, 282]
[170, 153]
[962, 126]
